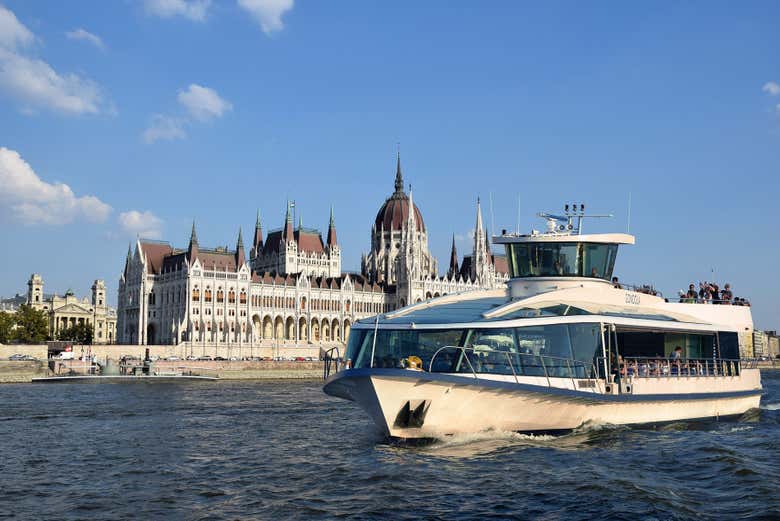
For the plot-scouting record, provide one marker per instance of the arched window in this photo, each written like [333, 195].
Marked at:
[231, 296]
[242, 297]
[207, 294]
[220, 296]
[196, 294]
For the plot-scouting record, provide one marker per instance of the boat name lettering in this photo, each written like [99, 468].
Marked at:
[632, 298]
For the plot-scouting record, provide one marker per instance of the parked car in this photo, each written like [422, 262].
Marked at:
[173, 358]
[21, 357]
[233, 359]
[220, 358]
[300, 359]
[205, 358]
[191, 357]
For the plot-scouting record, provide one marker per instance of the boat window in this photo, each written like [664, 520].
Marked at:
[394, 346]
[357, 338]
[561, 259]
[598, 260]
[488, 353]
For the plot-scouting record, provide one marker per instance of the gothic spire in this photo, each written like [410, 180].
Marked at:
[192, 250]
[288, 225]
[399, 178]
[240, 256]
[257, 243]
[453, 260]
[332, 230]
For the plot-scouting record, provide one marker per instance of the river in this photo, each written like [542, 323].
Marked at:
[284, 450]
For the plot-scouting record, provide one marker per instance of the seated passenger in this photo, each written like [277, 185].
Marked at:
[616, 283]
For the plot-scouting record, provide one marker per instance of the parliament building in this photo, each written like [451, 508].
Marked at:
[289, 288]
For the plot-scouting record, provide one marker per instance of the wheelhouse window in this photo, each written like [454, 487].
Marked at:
[561, 259]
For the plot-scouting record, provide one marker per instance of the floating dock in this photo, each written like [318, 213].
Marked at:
[120, 378]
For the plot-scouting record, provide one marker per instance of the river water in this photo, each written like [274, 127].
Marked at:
[284, 450]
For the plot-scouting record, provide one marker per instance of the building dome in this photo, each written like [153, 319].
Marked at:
[395, 211]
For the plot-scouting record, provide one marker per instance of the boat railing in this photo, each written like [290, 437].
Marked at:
[691, 300]
[484, 360]
[657, 367]
[647, 289]
[332, 361]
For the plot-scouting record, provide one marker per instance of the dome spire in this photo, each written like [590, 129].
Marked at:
[399, 178]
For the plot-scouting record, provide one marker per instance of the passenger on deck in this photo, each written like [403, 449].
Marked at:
[726, 295]
[692, 295]
[616, 284]
[594, 273]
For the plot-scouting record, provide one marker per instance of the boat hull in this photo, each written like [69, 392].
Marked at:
[410, 404]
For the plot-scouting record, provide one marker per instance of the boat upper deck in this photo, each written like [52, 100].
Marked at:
[584, 303]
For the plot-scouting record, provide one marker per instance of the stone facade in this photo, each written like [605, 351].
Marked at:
[290, 290]
[68, 310]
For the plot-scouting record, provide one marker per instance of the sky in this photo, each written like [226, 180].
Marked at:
[124, 118]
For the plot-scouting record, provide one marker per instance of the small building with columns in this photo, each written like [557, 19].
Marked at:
[68, 310]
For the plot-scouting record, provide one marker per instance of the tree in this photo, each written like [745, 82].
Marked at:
[7, 322]
[78, 333]
[32, 325]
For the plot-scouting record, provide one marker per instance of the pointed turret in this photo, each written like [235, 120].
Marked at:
[129, 257]
[257, 243]
[192, 249]
[288, 225]
[240, 256]
[399, 178]
[479, 253]
[332, 230]
[453, 260]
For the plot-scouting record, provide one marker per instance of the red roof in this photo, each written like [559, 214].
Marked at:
[309, 241]
[395, 212]
[155, 253]
[223, 260]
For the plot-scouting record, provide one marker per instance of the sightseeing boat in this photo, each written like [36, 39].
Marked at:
[563, 346]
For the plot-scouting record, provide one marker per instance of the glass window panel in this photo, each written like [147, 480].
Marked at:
[489, 348]
[393, 346]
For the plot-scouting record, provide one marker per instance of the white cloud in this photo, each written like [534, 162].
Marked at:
[268, 13]
[143, 224]
[83, 34]
[195, 10]
[35, 83]
[164, 128]
[203, 103]
[12, 32]
[772, 88]
[34, 201]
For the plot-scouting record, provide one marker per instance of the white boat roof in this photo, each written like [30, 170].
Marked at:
[492, 308]
[601, 238]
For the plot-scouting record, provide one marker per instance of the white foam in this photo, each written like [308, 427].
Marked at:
[771, 406]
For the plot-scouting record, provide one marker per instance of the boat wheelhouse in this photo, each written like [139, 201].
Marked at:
[562, 346]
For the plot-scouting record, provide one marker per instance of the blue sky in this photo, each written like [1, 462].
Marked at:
[158, 112]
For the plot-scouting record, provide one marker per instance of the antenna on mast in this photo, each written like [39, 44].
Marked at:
[492, 220]
[517, 229]
[628, 224]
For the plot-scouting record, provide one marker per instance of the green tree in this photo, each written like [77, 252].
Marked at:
[32, 325]
[7, 321]
[77, 333]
